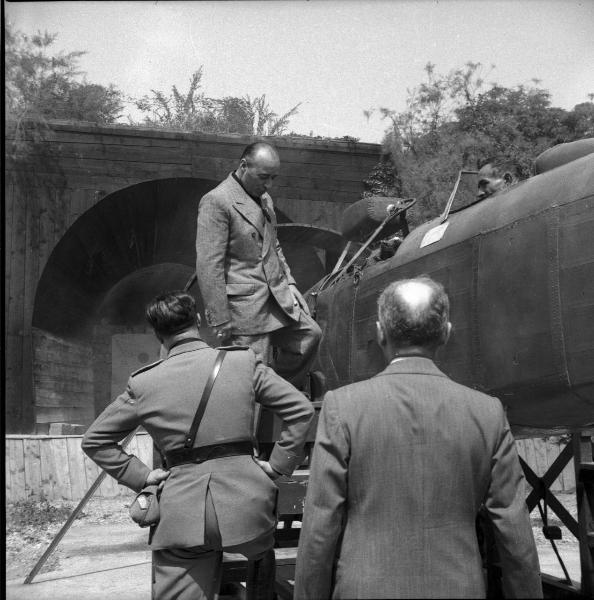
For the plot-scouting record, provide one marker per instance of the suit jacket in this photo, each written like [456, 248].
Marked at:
[163, 398]
[402, 463]
[242, 273]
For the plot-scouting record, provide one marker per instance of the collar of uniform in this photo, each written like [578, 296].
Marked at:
[196, 344]
[412, 364]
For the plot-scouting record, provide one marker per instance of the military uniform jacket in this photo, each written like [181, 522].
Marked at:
[401, 465]
[163, 398]
[242, 273]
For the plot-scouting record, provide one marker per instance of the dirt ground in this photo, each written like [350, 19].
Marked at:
[106, 552]
[26, 542]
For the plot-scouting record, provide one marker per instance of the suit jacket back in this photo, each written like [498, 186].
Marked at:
[402, 464]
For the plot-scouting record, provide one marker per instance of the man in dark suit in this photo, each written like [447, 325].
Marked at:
[223, 503]
[250, 296]
[401, 466]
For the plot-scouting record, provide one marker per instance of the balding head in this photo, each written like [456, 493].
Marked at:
[261, 151]
[414, 313]
[258, 167]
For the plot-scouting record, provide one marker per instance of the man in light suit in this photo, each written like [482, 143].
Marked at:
[249, 294]
[221, 497]
[401, 466]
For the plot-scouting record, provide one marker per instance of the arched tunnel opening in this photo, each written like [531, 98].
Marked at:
[89, 330]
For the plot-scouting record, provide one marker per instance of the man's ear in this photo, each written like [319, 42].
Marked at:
[381, 336]
[198, 320]
[446, 335]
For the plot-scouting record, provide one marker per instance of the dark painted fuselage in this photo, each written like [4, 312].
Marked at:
[519, 270]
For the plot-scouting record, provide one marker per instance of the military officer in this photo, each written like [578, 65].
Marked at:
[223, 503]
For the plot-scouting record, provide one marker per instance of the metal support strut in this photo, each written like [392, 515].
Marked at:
[581, 450]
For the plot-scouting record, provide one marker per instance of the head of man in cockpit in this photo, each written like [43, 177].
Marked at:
[494, 176]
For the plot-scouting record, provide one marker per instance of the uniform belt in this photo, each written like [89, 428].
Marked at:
[181, 456]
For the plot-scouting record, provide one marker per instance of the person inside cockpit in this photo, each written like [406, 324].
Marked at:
[495, 176]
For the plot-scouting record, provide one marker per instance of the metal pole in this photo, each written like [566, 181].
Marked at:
[190, 282]
[71, 518]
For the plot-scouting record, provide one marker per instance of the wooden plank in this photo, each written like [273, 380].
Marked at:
[55, 216]
[31, 254]
[78, 152]
[18, 476]
[540, 456]
[552, 452]
[45, 230]
[76, 468]
[32, 467]
[105, 170]
[131, 137]
[31, 271]
[61, 205]
[7, 477]
[92, 471]
[294, 193]
[15, 287]
[568, 474]
[48, 470]
[16, 257]
[13, 352]
[15, 475]
[521, 448]
[9, 200]
[63, 488]
[530, 457]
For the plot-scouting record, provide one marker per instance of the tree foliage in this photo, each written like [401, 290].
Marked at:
[457, 120]
[41, 85]
[194, 111]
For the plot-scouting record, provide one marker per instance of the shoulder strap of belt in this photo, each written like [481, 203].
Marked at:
[191, 436]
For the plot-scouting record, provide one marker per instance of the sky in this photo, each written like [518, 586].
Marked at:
[338, 58]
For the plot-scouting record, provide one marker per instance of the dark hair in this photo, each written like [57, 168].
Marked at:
[171, 313]
[422, 325]
[250, 151]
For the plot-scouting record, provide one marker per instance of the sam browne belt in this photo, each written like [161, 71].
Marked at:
[181, 456]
